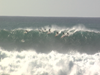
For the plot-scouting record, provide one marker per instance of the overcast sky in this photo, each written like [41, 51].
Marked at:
[50, 8]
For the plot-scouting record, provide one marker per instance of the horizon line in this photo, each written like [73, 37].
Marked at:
[51, 16]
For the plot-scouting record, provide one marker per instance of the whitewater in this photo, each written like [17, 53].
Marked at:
[28, 48]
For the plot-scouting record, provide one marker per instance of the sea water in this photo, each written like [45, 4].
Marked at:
[27, 47]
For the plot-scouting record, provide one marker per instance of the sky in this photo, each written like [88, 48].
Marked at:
[50, 8]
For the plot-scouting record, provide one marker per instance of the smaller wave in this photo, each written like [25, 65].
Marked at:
[53, 63]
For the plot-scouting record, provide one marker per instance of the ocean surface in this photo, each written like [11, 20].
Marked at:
[31, 46]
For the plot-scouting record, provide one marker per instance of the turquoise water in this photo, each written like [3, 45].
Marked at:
[28, 48]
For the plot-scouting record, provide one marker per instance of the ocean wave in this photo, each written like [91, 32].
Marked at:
[77, 37]
[53, 63]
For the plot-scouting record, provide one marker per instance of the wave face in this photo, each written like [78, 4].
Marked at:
[80, 39]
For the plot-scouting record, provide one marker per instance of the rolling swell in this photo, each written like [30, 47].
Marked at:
[82, 41]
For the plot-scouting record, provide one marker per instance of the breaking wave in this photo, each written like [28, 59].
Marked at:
[53, 63]
[78, 38]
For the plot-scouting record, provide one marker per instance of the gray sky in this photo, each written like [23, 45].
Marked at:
[50, 8]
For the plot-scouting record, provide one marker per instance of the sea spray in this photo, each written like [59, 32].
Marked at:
[53, 63]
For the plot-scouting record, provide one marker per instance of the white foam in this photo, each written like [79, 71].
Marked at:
[59, 29]
[28, 29]
[70, 30]
[54, 63]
